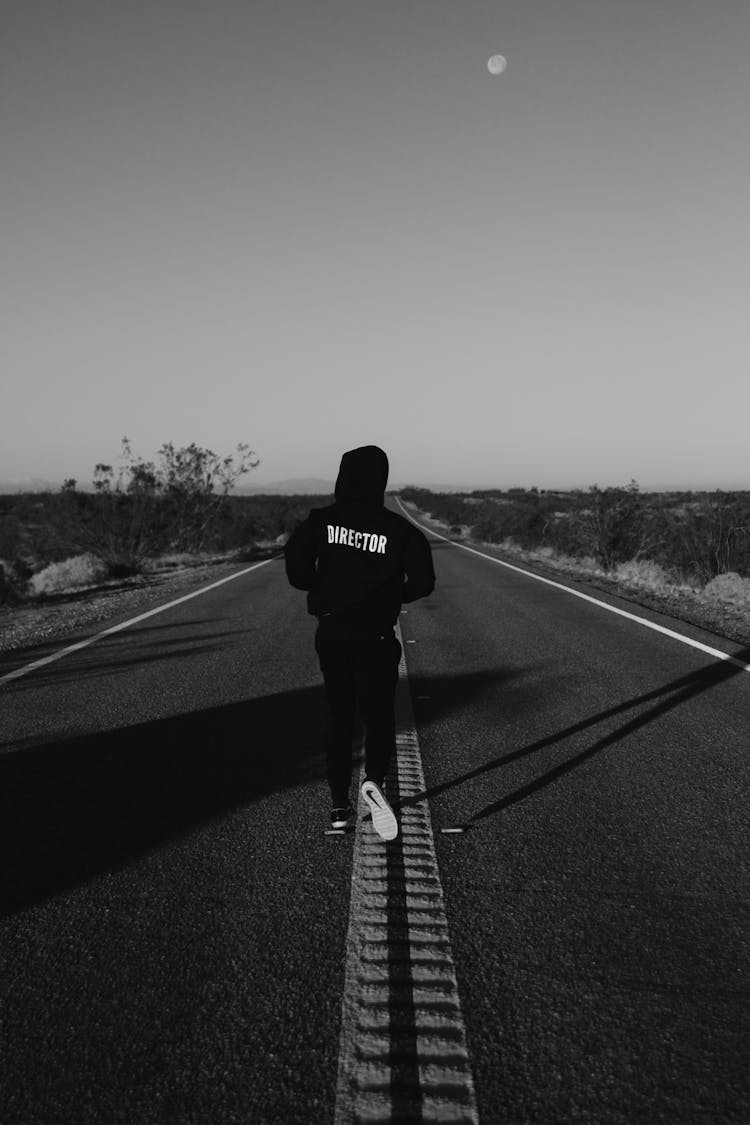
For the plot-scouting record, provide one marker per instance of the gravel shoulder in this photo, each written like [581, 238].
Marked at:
[56, 617]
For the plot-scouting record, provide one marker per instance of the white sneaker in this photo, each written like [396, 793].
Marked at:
[383, 817]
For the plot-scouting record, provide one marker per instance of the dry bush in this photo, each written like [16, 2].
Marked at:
[644, 573]
[730, 587]
[11, 584]
[586, 565]
[172, 561]
[70, 574]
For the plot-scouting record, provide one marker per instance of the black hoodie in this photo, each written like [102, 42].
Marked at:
[356, 558]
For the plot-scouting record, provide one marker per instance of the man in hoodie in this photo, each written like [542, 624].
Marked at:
[359, 562]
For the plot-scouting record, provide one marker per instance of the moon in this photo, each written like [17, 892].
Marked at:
[497, 64]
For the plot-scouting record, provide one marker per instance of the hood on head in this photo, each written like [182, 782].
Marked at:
[363, 475]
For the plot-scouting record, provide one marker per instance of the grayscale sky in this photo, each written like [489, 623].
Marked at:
[316, 224]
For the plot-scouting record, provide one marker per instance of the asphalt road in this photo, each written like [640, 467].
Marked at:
[174, 920]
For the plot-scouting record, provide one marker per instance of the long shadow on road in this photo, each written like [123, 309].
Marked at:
[107, 655]
[665, 698]
[74, 808]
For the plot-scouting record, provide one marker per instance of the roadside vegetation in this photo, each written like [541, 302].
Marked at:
[143, 518]
[694, 544]
[137, 518]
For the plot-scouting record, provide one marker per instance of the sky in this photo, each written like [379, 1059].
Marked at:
[310, 225]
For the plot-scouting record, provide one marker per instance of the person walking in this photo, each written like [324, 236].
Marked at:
[358, 562]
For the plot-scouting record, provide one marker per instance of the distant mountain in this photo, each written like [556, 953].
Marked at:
[296, 486]
[28, 484]
[430, 486]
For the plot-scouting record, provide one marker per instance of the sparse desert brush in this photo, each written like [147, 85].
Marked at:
[172, 561]
[69, 574]
[730, 587]
[583, 564]
[644, 573]
[586, 564]
[11, 587]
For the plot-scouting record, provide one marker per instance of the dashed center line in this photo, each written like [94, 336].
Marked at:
[402, 1053]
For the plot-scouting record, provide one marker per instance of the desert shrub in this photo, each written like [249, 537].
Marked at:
[33, 530]
[147, 507]
[493, 521]
[691, 536]
[563, 532]
[171, 561]
[70, 574]
[613, 524]
[586, 565]
[11, 584]
[580, 564]
[488, 527]
[524, 522]
[129, 529]
[712, 535]
[730, 587]
[645, 573]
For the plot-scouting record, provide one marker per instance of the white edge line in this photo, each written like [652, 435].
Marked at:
[585, 597]
[26, 668]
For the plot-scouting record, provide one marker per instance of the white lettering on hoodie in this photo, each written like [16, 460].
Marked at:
[362, 540]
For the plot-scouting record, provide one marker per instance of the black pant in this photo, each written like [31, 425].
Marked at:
[360, 667]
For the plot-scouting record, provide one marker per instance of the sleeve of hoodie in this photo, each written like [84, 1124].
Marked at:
[300, 556]
[420, 573]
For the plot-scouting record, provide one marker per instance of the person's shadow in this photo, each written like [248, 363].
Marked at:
[72, 808]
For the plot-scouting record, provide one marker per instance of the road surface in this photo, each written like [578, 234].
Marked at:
[174, 921]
